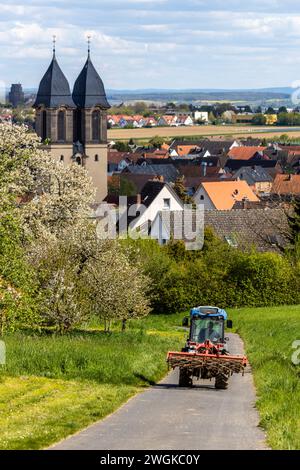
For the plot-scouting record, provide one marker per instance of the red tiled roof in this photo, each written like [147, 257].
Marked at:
[286, 184]
[244, 153]
[117, 157]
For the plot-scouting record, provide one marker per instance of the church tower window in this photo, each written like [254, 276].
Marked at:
[44, 125]
[96, 125]
[61, 126]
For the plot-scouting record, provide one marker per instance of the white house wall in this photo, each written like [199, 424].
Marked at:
[158, 205]
[208, 205]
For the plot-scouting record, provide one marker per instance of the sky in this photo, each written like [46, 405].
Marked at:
[165, 44]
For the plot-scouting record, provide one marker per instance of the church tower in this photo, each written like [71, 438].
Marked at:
[90, 125]
[74, 129]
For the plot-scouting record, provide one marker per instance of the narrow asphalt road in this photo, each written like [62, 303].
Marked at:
[166, 417]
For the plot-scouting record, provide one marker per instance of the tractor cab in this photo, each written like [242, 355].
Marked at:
[207, 323]
[205, 354]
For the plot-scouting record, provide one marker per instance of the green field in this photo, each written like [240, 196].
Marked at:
[269, 334]
[53, 386]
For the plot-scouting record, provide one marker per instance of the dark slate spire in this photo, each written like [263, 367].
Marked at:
[54, 90]
[89, 89]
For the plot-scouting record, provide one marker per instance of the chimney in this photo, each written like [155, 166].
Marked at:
[245, 203]
[138, 199]
[204, 168]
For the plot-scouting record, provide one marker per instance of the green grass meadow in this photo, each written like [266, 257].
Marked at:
[269, 334]
[53, 386]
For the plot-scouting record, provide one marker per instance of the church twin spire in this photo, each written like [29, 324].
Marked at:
[54, 90]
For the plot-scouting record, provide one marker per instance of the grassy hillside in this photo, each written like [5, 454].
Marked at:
[269, 334]
[53, 386]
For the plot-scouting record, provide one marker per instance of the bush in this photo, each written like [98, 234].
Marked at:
[220, 275]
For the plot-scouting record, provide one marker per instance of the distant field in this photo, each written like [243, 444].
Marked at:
[201, 131]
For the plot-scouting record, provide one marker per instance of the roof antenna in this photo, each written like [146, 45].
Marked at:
[89, 45]
[54, 45]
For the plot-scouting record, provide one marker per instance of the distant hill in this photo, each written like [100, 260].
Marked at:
[261, 96]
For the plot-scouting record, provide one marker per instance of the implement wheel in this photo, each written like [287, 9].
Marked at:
[185, 378]
[221, 381]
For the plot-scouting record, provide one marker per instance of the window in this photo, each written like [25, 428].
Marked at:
[62, 158]
[44, 125]
[78, 123]
[205, 328]
[61, 126]
[167, 203]
[96, 158]
[231, 240]
[96, 125]
[202, 197]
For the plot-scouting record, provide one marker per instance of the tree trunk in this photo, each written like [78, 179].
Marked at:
[124, 324]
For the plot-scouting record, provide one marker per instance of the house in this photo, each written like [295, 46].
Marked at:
[167, 171]
[183, 150]
[184, 120]
[150, 122]
[217, 146]
[167, 120]
[286, 185]
[272, 166]
[257, 177]
[180, 148]
[246, 153]
[158, 153]
[200, 116]
[187, 225]
[222, 195]
[265, 229]
[117, 161]
[156, 196]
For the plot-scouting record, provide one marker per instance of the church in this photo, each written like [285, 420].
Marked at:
[73, 126]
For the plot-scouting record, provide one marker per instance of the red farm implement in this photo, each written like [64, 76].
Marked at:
[205, 355]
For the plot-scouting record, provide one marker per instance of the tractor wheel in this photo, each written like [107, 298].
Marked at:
[221, 382]
[185, 378]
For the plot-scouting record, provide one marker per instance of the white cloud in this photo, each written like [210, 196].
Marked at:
[142, 43]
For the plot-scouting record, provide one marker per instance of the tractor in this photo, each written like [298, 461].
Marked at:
[206, 355]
